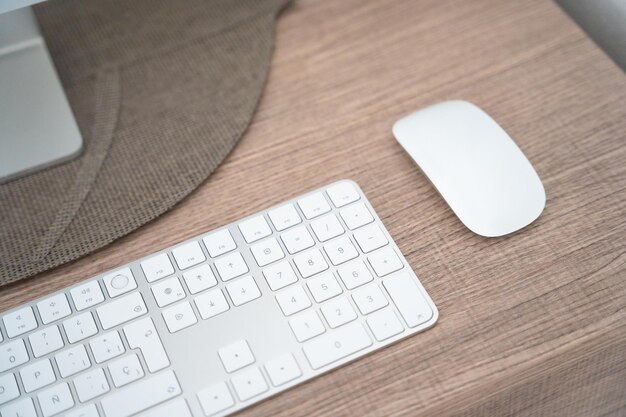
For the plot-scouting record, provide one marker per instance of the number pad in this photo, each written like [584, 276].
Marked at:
[310, 263]
[369, 299]
[280, 275]
[354, 274]
[340, 251]
[292, 300]
[338, 312]
[267, 252]
[306, 326]
[327, 227]
[324, 287]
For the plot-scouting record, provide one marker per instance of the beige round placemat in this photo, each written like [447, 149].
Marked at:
[161, 90]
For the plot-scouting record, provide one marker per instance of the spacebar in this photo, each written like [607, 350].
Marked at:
[141, 395]
[336, 345]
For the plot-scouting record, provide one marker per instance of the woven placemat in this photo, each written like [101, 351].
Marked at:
[161, 91]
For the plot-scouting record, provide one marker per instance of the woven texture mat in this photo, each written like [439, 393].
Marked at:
[161, 91]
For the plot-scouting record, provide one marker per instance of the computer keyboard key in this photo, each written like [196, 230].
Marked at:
[121, 310]
[188, 255]
[306, 326]
[168, 291]
[143, 335]
[384, 324]
[106, 346]
[338, 312]
[8, 388]
[86, 411]
[55, 399]
[53, 308]
[236, 355]
[37, 375]
[324, 287]
[267, 252]
[157, 267]
[125, 370]
[284, 217]
[176, 408]
[119, 282]
[21, 408]
[12, 354]
[310, 263]
[231, 266]
[356, 215]
[45, 341]
[179, 317]
[282, 369]
[215, 398]
[249, 384]
[243, 290]
[384, 261]
[219, 243]
[313, 205]
[370, 238]
[19, 322]
[80, 327]
[72, 361]
[336, 345]
[87, 295]
[297, 240]
[141, 395]
[211, 303]
[91, 385]
[293, 300]
[369, 299]
[279, 275]
[199, 279]
[340, 250]
[354, 274]
[405, 294]
[327, 227]
[342, 194]
[254, 229]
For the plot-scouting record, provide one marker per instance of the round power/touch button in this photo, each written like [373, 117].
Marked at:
[119, 282]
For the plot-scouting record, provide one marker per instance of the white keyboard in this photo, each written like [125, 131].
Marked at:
[218, 322]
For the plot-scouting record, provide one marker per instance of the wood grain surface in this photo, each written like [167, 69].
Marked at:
[532, 324]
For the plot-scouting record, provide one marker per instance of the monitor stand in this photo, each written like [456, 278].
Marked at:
[37, 127]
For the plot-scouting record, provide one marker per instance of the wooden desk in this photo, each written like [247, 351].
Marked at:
[531, 324]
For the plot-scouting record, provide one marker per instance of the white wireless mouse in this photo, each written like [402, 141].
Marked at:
[475, 165]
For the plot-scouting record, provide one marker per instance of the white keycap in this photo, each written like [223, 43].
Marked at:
[19, 322]
[342, 194]
[282, 369]
[243, 290]
[354, 274]
[54, 308]
[249, 384]
[143, 335]
[284, 217]
[72, 361]
[267, 252]
[324, 286]
[280, 275]
[236, 355]
[219, 243]
[176, 408]
[384, 261]
[215, 398]
[106, 346]
[80, 327]
[21, 408]
[87, 295]
[405, 294]
[231, 266]
[157, 267]
[297, 240]
[327, 227]
[55, 399]
[86, 411]
[45, 341]
[313, 205]
[121, 310]
[188, 255]
[91, 385]
[370, 238]
[310, 263]
[254, 229]
[292, 300]
[8, 388]
[168, 291]
[306, 325]
[199, 279]
[211, 304]
[119, 282]
[125, 370]
[340, 250]
[338, 312]
[12, 354]
[37, 375]
[141, 395]
[336, 345]
[384, 324]
[356, 215]
[179, 317]
[369, 298]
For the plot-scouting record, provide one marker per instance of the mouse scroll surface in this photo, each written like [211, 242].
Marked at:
[474, 164]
